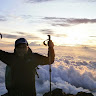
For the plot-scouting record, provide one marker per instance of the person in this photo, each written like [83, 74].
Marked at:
[22, 64]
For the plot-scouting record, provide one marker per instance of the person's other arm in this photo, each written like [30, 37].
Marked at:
[5, 57]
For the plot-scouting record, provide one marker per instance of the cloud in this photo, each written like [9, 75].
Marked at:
[26, 16]
[88, 0]
[66, 22]
[37, 1]
[68, 79]
[6, 44]
[66, 25]
[27, 36]
[92, 36]
[60, 35]
[47, 31]
[20, 35]
[2, 18]
[34, 44]
[51, 32]
[9, 36]
[68, 73]
[73, 1]
[79, 21]
[9, 39]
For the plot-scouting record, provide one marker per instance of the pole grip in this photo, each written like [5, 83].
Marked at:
[49, 37]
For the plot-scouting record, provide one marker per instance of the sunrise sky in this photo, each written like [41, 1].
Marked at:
[72, 26]
[69, 22]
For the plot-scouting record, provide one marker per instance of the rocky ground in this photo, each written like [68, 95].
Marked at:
[59, 92]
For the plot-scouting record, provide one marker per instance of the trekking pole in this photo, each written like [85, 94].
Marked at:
[50, 65]
[49, 38]
[1, 35]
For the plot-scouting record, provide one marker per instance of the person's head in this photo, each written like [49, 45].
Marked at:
[21, 47]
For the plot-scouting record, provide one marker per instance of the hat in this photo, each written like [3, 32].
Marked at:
[20, 41]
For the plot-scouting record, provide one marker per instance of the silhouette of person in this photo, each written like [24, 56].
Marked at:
[22, 64]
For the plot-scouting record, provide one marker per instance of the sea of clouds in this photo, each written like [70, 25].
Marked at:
[72, 73]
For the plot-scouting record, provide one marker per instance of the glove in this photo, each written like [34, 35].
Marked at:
[50, 44]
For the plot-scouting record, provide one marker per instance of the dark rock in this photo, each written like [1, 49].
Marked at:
[56, 92]
[84, 94]
[59, 92]
[69, 95]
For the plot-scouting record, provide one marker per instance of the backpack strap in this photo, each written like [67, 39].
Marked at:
[36, 71]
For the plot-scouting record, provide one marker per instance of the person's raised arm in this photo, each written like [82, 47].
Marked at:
[51, 54]
[44, 60]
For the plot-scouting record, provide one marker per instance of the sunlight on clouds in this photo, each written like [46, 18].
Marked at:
[76, 35]
[73, 35]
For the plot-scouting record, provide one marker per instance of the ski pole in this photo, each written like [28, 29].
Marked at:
[49, 38]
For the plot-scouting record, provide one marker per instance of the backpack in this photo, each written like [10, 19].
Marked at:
[8, 78]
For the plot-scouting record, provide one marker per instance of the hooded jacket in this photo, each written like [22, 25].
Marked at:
[23, 70]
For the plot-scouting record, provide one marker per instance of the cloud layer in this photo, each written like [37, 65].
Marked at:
[46, 31]
[68, 73]
[12, 37]
[66, 22]
[19, 35]
[2, 18]
[38, 1]
[51, 32]
[34, 1]
[34, 44]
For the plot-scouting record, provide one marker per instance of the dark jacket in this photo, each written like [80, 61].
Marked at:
[23, 70]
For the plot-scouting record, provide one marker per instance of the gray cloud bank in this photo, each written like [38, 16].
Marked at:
[68, 21]
[3, 18]
[20, 35]
[34, 44]
[47, 31]
[51, 32]
[38, 1]
[16, 36]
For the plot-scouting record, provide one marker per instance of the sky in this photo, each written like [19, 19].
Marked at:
[69, 22]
